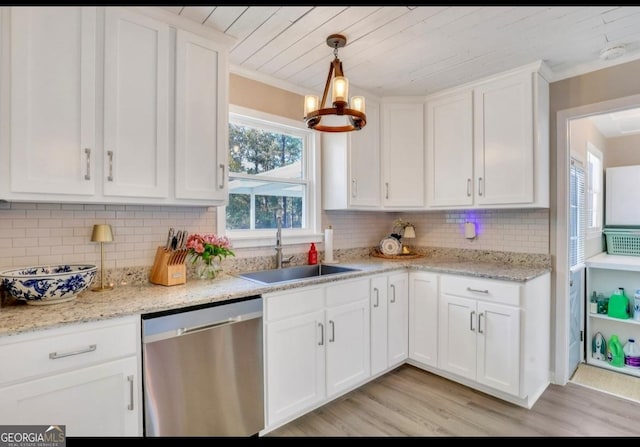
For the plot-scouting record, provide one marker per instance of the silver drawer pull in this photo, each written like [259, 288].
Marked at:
[110, 176]
[130, 380]
[55, 355]
[222, 169]
[333, 331]
[87, 176]
[469, 289]
[377, 303]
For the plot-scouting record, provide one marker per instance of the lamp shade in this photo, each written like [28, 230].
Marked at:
[102, 233]
[409, 232]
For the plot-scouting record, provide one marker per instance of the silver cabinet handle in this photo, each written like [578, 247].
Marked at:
[87, 151]
[333, 331]
[354, 188]
[393, 293]
[222, 171]
[479, 186]
[469, 289]
[480, 323]
[130, 406]
[471, 328]
[468, 187]
[321, 342]
[386, 185]
[110, 176]
[377, 303]
[56, 355]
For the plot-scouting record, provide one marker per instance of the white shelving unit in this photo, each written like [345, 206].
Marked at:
[605, 273]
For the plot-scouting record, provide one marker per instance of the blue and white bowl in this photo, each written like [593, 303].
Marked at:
[47, 284]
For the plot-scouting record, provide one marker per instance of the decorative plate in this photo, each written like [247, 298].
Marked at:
[390, 246]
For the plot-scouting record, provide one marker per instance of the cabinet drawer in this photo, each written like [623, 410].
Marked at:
[482, 289]
[49, 351]
[344, 292]
[291, 303]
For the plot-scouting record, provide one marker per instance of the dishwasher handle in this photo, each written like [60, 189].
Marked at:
[238, 319]
[178, 331]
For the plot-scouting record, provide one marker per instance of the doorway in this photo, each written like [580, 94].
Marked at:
[569, 302]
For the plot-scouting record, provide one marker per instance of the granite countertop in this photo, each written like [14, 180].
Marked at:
[18, 317]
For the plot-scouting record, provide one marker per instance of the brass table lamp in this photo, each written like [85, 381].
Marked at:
[409, 232]
[102, 233]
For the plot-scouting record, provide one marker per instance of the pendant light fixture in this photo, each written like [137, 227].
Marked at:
[354, 112]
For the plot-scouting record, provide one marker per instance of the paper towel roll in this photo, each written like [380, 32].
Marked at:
[328, 245]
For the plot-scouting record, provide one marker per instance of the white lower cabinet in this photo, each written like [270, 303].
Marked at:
[322, 341]
[389, 313]
[86, 377]
[496, 335]
[316, 346]
[423, 318]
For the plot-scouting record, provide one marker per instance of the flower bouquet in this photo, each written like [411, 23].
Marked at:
[207, 251]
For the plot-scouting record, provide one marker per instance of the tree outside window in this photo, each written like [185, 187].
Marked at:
[266, 173]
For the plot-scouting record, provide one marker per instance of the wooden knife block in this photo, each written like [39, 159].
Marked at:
[169, 267]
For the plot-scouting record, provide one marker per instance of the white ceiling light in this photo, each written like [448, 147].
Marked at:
[612, 52]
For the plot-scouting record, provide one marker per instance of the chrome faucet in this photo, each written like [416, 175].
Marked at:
[279, 261]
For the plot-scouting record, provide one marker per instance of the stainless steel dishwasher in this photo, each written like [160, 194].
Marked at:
[203, 370]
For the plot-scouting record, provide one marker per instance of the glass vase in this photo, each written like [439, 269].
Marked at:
[208, 270]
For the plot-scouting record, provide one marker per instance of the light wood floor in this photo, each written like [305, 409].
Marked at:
[410, 402]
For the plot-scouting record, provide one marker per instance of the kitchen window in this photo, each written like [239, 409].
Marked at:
[273, 165]
[594, 192]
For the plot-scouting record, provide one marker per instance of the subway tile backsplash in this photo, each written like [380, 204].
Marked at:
[45, 233]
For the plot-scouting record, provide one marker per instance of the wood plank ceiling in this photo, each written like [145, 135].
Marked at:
[399, 50]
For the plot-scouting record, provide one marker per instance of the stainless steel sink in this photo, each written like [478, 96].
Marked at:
[294, 273]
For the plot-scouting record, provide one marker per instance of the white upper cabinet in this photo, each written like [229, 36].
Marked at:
[351, 165]
[488, 143]
[504, 143]
[112, 105]
[201, 123]
[136, 105]
[449, 150]
[53, 101]
[403, 155]
[364, 161]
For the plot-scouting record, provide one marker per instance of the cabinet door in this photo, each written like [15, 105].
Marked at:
[504, 141]
[53, 74]
[499, 347]
[364, 161]
[101, 400]
[457, 335]
[378, 324]
[295, 365]
[201, 119]
[423, 317]
[398, 318]
[403, 155]
[136, 99]
[348, 351]
[450, 150]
